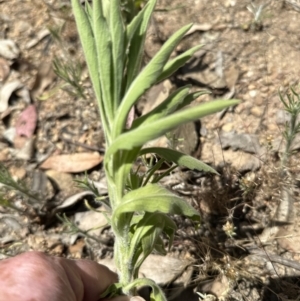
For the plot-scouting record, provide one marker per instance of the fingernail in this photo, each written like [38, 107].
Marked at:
[137, 299]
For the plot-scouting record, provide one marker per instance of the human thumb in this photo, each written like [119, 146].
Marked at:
[125, 298]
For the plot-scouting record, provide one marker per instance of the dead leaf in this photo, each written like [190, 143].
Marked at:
[199, 27]
[91, 221]
[44, 79]
[64, 182]
[39, 37]
[130, 118]
[158, 93]
[72, 200]
[77, 249]
[24, 94]
[72, 163]
[26, 123]
[23, 147]
[9, 134]
[4, 69]
[9, 49]
[6, 92]
[18, 173]
[231, 76]
[4, 154]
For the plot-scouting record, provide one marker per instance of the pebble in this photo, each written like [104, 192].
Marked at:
[257, 111]
[253, 93]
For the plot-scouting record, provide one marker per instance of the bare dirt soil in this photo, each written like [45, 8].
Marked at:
[248, 245]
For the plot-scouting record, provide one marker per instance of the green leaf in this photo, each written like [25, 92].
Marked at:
[159, 246]
[151, 198]
[191, 97]
[136, 49]
[148, 243]
[87, 39]
[104, 59]
[176, 101]
[112, 291]
[146, 78]
[168, 106]
[178, 158]
[106, 8]
[144, 245]
[118, 50]
[153, 130]
[156, 292]
[133, 26]
[89, 11]
[152, 241]
[146, 231]
[173, 65]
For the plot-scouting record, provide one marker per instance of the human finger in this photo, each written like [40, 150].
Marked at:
[96, 278]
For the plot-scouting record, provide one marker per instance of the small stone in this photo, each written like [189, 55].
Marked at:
[256, 111]
[253, 93]
[57, 250]
[228, 127]
[9, 49]
[4, 154]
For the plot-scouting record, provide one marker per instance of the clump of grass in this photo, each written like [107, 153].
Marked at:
[8, 182]
[71, 73]
[291, 102]
[66, 67]
[10, 190]
[258, 11]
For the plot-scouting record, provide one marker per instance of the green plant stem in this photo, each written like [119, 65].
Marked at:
[123, 262]
[291, 132]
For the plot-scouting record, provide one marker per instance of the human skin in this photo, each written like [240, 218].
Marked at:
[34, 276]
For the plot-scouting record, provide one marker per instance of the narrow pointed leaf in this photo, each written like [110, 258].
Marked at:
[147, 78]
[173, 65]
[168, 106]
[103, 47]
[156, 292]
[113, 290]
[89, 12]
[86, 35]
[146, 225]
[152, 198]
[87, 40]
[117, 36]
[133, 26]
[159, 247]
[153, 130]
[190, 98]
[106, 7]
[136, 49]
[178, 158]
[148, 243]
[173, 103]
